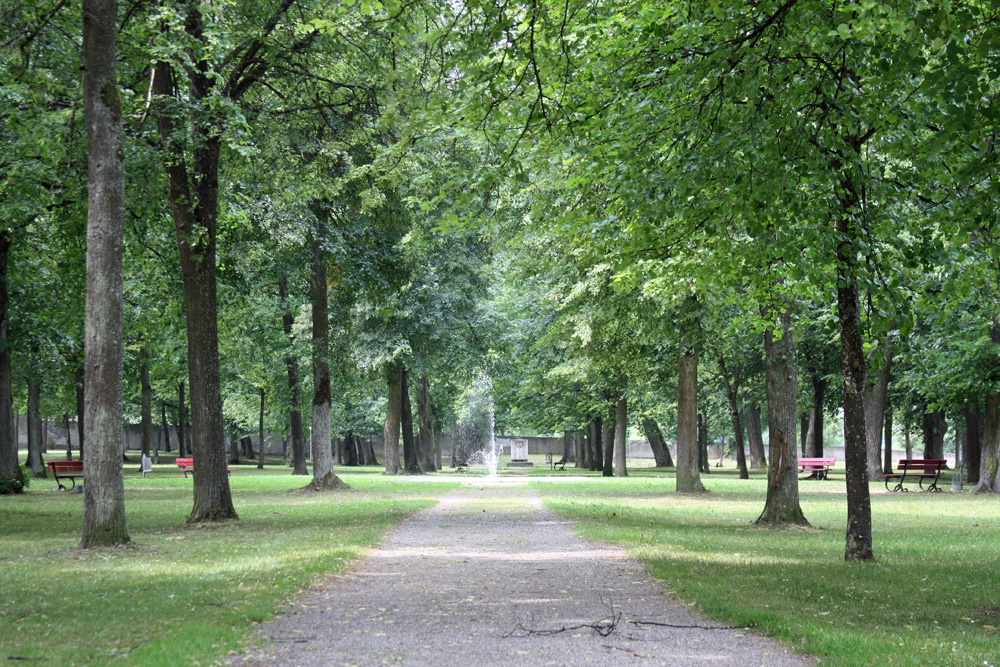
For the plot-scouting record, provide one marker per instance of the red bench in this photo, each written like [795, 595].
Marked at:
[817, 466]
[66, 470]
[187, 466]
[917, 469]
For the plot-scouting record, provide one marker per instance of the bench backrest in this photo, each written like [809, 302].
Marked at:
[185, 463]
[66, 466]
[817, 461]
[930, 465]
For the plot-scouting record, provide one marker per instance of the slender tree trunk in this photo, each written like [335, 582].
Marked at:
[81, 393]
[292, 367]
[661, 453]
[907, 444]
[874, 399]
[732, 393]
[44, 443]
[8, 434]
[621, 436]
[989, 466]
[35, 429]
[688, 475]
[814, 439]
[974, 441]
[104, 491]
[406, 425]
[322, 402]
[934, 427]
[181, 419]
[755, 437]
[782, 504]
[146, 402]
[858, 543]
[589, 446]
[166, 426]
[260, 430]
[597, 461]
[568, 448]
[234, 448]
[426, 438]
[804, 422]
[393, 417]
[69, 439]
[703, 444]
[887, 441]
[608, 438]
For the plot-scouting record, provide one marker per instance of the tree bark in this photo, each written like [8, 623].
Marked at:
[814, 442]
[597, 460]
[703, 464]
[661, 453]
[887, 441]
[410, 463]
[35, 429]
[146, 402]
[907, 445]
[234, 448]
[732, 394]
[322, 402]
[8, 436]
[608, 438]
[588, 446]
[989, 467]
[104, 490]
[621, 436]
[874, 400]
[81, 393]
[181, 419]
[688, 475]
[393, 418]
[166, 427]
[426, 438]
[934, 429]
[858, 543]
[292, 367]
[974, 441]
[755, 437]
[781, 382]
[69, 440]
[260, 430]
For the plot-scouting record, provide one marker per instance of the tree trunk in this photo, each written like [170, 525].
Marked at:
[781, 383]
[292, 366]
[874, 399]
[104, 489]
[621, 436]
[597, 461]
[608, 438]
[322, 402]
[260, 430]
[688, 475]
[569, 449]
[661, 453]
[907, 444]
[804, 422]
[81, 393]
[69, 440]
[234, 448]
[703, 444]
[166, 427]
[35, 429]
[146, 403]
[814, 438]
[974, 441]
[755, 437]
[8, 436]
[887, 441]
[858, 543]
[181, 419]
[588, 446]
[393, 417]
[410, 463]
[732, 393]
[194, 207]
[989, 467]
[426, 437]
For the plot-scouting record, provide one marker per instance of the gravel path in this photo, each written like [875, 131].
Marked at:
[489, 577]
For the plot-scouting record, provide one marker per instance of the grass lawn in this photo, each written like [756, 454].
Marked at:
[931, 598]
[179, 595]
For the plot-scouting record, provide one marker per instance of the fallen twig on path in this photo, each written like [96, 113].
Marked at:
[695, 627]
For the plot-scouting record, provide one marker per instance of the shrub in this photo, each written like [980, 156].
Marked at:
[16, 484]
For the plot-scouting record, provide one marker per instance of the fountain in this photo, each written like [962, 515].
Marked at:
[475, 441]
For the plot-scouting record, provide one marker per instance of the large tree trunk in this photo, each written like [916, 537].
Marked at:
[973, 440]
[410, 463]
[781, 383]
[935, 428]
[858, 543]
[8, 436]
[989, 467]
[81, 393]
[621, 436]
[732, 393]
[292, 366]
[608, 438]
[322, 402]
[393, 418]
[35, 429]
[661, 453]
[146, 403]
[104, 490]
[688, 475]
[755, 437]
[234, 448]
[874, 400]
[426, 437]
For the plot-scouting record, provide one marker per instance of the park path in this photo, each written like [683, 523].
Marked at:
[488, 577]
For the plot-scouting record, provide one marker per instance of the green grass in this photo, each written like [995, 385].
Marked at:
[931, 598]
[179, 595]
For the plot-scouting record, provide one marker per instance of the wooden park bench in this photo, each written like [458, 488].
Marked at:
[66, 470]
[187, 466]
[820, 467]
[920, 470]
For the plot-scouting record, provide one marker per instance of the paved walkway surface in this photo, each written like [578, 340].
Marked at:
[487, 577]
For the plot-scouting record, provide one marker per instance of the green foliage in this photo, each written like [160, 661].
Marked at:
[16, 484]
